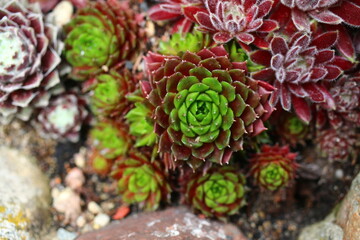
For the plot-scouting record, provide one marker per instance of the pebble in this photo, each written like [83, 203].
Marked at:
[63, 234]
[339, 173]
[79, 158]
[94, 208]
[101, 220]
[62, 13]
[75, 179]
[80, 221]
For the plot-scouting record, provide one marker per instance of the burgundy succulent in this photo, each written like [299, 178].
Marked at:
[338, 145]
[204, 104]
[299, 67]
[28, 59]
[274, 167]
[331, 12]
[63, 117]
[239, 19]
[174, 10]
[346, 94]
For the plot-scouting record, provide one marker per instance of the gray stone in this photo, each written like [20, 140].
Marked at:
[344, 221]
[25, 196]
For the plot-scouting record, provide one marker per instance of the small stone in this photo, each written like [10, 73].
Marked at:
[94, 208]
[62, 13]
[63, 234]
[80, 221]
[79, 158]
[69, 203]
[107, 206]
[75, 179]
[101, 220]
[339, 173]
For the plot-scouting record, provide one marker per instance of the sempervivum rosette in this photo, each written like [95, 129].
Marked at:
[27, 61]
[338, 144]
[100, 36]
[219, 193]
[290, 128]
[300, 67]
[346, 94]
[108, 97]
[141, 181]
[204, 104]
[274, 167]
[110, 138]
[62, 118]
[239, 19]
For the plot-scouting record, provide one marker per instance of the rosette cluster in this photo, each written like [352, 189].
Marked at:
[219, 193]
[100, 36]
[28, 61]
[108, 95]
[204, 104]
[274, 167]
[141, 181]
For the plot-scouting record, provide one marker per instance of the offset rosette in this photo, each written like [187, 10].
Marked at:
[219, 193]
[110, 138]
[63, 117]
[274, 167]
[338, 144]
[108, 97]
[141, 181]
[100, 36]
[28, 59]
[204, 104]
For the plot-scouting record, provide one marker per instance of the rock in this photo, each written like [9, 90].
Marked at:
[75, 179]
[94, 208]
[63, 234]
[101, 220]
[324, 230]
[173, 223]
[348, 216]
[69, 203]
[62, 13]
[25, 196]
[344, 221]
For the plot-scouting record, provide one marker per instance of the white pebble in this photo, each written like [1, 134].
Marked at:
[80, 221]
[101, 220]
[339, 173]
[62, 13]
[94, 208]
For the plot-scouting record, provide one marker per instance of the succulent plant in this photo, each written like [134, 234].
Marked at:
[204, 104]
[100, 36]
[108, 97]
[325, 11]
[28, 58]
[173, 10]
[63, 117]
[110, 138]
[338, 144]
[141, 125]
[299, 67]
[238, 19]
[141, 181]
[346, 94]
[291, 129]
[219, 193]
[182, 42]
[46, 5]
[99, 163]
[274, 167]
